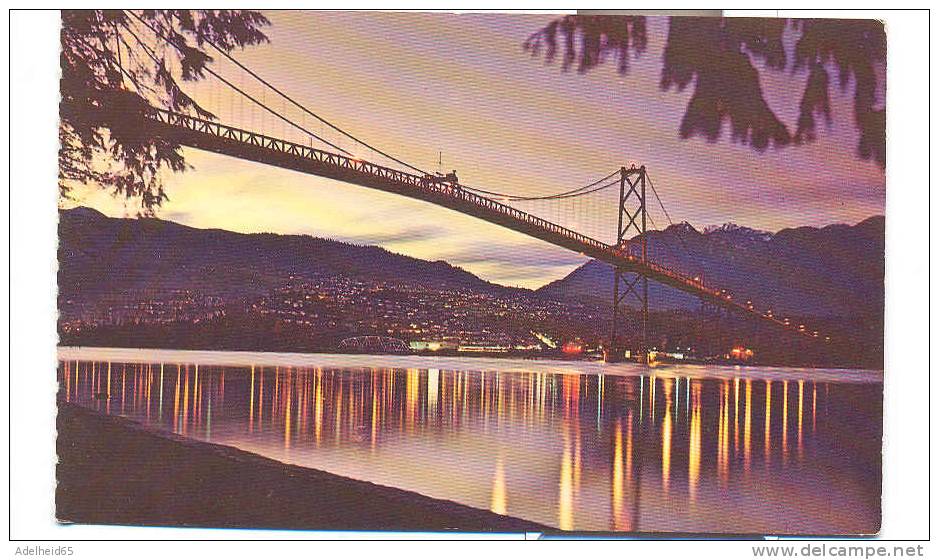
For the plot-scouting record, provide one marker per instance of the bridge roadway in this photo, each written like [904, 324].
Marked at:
[222, 139]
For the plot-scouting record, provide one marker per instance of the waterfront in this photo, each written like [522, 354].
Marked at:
[579, 446]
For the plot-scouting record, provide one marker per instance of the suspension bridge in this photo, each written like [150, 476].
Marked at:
[305, 151]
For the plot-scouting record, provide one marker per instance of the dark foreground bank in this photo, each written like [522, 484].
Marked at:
[113, 471]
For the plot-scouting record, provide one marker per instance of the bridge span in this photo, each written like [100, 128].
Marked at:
[227, 140]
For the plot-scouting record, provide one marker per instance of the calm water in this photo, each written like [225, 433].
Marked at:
[574, 446]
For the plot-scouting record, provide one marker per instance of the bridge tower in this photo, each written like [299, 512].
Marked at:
[631, 221]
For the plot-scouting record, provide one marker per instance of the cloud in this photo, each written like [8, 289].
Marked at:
[407, 235]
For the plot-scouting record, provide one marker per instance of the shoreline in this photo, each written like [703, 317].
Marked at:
[114, 471]
[235, 358]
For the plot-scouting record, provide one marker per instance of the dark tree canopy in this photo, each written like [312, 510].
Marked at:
[718, 57]
[113, 67]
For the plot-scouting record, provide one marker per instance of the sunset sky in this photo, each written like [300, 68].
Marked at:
[415, 84]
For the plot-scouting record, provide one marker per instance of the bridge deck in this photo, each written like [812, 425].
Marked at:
[222, 139]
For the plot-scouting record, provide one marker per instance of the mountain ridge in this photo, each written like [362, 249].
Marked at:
[834, 270]
[99, 254]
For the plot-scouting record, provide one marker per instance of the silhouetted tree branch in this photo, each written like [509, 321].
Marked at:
[718, 57]
[112, 70]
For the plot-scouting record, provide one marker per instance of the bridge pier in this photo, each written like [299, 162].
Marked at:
[631, 219]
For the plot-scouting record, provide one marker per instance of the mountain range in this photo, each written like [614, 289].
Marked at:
[836, 270]
[101, 256]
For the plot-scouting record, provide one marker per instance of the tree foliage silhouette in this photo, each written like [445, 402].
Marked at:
[718, 57]
[112, 72]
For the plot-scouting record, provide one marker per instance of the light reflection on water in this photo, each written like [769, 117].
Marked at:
[582, 452]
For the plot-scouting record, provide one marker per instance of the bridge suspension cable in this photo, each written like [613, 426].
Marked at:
[579, 191]
[591, 188]
[681, 233]
[588, 189]
[221, 78]
[659, 199]
[306, 110]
